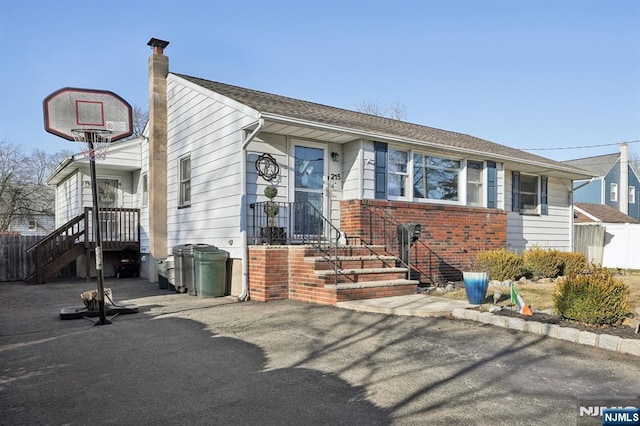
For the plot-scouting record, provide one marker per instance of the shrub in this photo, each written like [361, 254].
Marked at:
[573, 263]
[542, 263]
[501, 264]
[597, 298]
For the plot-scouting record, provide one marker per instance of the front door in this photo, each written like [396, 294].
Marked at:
[308, 187]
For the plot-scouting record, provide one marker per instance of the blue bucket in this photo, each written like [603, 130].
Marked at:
[476, 284]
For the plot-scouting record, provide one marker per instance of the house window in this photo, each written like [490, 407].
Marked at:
[185, 181]
[614, 192]
[145, 190]
[475, 191]
[435, 178]
[32, 225]
[529, 193]
[397, 173]
[632, 195]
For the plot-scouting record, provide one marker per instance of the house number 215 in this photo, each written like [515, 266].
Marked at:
[335, 176]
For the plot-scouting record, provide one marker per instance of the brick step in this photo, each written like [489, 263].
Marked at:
[347, 250]
[356, 275]
[372, 284]
[352, 262]
[373, 289]
[362, 271]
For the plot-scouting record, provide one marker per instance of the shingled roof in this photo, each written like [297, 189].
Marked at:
[598, 165]
[276, 105]
[602, 213]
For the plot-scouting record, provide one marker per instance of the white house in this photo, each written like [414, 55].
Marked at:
[344, 178]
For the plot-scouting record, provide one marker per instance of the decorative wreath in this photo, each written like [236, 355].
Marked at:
[267, 167]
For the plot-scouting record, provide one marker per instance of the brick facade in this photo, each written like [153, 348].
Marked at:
[451, 235]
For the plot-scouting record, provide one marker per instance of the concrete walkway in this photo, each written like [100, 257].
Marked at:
[416, 305]
[420, 305]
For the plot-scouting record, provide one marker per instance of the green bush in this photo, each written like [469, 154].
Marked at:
[501, 264]
[596, 298]
[573, 263]
[542, 263]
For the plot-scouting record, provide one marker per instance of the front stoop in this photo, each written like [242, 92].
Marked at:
[299, 273]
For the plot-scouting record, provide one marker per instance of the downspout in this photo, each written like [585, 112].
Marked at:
[244, 294]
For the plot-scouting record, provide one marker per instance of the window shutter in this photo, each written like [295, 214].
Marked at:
[544, 185]
[380, 171]
[492, 185]
[515, 191]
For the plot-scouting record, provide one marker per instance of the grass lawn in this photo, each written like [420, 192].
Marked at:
[540, 296]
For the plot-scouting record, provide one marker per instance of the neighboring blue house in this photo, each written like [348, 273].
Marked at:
[614, 186]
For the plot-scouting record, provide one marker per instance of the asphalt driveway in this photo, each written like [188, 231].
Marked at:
[185, 360]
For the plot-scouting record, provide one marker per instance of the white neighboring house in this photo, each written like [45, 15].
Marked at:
[119, 187]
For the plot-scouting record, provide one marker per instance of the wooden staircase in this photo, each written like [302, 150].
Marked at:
[74, 239]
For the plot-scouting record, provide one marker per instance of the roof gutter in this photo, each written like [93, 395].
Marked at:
[244, 294]
[63, 164]
[383, 138]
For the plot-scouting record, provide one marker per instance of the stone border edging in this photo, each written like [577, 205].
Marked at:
[602, 341]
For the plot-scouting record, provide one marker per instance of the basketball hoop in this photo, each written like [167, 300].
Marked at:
[95, 142]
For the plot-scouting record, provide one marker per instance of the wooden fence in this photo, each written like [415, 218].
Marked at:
[589, 239]
[15, 263]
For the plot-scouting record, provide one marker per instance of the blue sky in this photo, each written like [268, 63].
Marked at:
[523, 73]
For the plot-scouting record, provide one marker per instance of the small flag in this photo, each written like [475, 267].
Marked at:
[516, 299]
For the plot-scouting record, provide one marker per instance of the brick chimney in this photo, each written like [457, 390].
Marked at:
[157, 178]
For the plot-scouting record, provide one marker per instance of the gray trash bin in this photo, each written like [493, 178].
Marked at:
[178, 261]
[210, 271]
[184, 268]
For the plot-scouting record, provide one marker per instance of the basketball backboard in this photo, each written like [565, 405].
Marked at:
[71, 108]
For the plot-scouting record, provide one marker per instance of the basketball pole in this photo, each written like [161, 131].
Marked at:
[96, 230]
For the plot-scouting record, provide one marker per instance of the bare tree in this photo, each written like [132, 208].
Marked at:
[140, 118]
[634, 160]
[395, 110]
[43, 163]
[22, 190]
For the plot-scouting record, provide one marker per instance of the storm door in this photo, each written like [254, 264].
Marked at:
[308, 191]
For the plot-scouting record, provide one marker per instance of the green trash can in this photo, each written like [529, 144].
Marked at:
[163, 282]
[210, 265]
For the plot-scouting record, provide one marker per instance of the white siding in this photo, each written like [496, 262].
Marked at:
[144, 210]
[276, 146]
[67, 205]
[209, 129]
[368, 175]
[552, 230]
[351, 170]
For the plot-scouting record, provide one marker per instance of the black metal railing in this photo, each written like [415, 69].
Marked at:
[383, 230]
[296, 223]
[397, 239]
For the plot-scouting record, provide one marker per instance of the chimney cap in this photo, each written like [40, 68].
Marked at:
[158, 44]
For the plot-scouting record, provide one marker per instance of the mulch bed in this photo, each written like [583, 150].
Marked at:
[623, 331]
